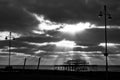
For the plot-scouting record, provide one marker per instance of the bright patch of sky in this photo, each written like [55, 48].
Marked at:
[62, 43]
[46, 25]
[73, 28]
[112, 47]
[3, 34]
[109, 44]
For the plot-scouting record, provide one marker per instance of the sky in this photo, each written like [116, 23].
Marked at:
[59, 30]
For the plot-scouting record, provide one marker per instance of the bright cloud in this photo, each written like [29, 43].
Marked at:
[46, 25]
[109, 44]
[65, 43]
[3, 34]
[83, 47]
[38, 32]
[39, 51]
[112, 47]
[62, 43]
[73, 28]
[87, 52]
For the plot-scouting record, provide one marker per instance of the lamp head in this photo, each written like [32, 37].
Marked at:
[109, 16]
[6, 38]
[100, 14]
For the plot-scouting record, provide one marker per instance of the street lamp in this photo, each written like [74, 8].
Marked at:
[38, 63]
[106, 16]
[25, 59]
[9, 38]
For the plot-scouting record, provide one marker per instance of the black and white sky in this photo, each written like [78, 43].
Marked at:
[59, 30]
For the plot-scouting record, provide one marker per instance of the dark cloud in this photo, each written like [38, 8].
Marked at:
[93, 48]
[65, 10]
[16, 19]
[93, 36]
[38, 39]
[15, 14]
[21, 46]
[72, 10]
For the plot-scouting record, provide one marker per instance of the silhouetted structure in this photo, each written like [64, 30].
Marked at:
[24, 63]
[9, 38]
[74, 65]
[38, 63]
[106, 15]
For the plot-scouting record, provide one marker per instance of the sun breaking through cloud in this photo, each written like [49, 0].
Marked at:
[47, 25]
[74, 28]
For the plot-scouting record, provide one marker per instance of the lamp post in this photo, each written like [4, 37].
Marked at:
[38, 63]
[9, 38]
[106, 16]
[24, 63]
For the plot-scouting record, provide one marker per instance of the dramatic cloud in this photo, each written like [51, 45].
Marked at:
[58, 30]
[16, 19]
[17, 14]
[65, 10]
[112, 47]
